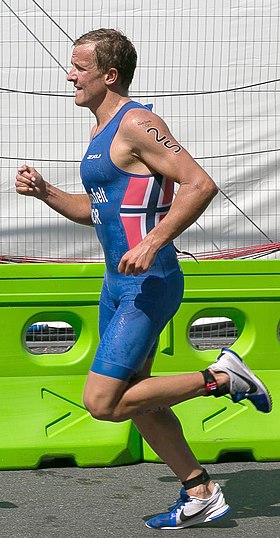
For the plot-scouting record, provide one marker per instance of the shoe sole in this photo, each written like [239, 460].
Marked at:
[216, 514]
[264, 405]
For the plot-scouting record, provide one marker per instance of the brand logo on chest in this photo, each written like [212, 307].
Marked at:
[95, 156]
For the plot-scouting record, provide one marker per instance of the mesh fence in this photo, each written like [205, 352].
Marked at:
[211, 68]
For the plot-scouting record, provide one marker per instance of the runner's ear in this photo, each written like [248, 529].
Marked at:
[112, 76]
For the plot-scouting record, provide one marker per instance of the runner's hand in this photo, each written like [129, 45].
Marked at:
[137, 260]
[29, 182]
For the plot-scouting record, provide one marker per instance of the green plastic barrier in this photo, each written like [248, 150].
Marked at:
[41, 408]
[248, 292]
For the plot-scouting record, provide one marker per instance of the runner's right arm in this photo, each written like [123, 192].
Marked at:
[75, 207]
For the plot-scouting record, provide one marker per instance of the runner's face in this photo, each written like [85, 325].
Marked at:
[88, 81]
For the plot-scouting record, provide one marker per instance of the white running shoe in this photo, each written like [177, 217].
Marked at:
[243, 383]
[191, 510]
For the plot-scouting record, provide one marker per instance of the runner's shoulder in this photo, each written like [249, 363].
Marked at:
[137, 121]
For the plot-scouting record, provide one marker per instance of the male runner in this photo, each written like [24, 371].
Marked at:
[128, 173]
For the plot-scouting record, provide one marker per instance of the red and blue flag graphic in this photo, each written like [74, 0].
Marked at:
[146, 201]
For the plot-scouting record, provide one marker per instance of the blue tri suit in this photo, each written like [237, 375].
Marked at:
[124, 208]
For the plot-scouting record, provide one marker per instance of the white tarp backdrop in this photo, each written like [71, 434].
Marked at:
[212, 70]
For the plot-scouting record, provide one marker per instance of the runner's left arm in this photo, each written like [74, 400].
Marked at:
[154, 145]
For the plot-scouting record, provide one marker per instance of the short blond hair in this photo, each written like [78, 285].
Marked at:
[112, 49]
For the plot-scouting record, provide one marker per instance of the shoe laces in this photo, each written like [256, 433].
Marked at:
[177, 503]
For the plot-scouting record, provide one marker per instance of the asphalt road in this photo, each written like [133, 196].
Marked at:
[70, 502]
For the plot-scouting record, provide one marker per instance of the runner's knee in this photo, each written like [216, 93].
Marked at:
[101, 406]
[98, 408]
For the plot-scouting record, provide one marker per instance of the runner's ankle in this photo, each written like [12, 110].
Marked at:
[202, 491]
[221, 378]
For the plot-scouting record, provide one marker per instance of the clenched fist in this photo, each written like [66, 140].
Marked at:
[29, 182]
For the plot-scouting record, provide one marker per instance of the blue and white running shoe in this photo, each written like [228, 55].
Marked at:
[243, 383]
[191, 510]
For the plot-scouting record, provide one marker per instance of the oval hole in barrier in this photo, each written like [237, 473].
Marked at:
[50, 337]
[212, 333]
